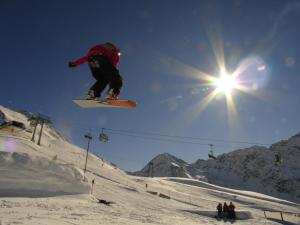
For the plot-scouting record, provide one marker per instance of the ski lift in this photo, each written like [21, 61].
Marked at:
[88, 135]
[211, 154]
[33, 121]
[103, 137]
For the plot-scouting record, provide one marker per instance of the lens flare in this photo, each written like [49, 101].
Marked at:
[253, 72]
[7, 145]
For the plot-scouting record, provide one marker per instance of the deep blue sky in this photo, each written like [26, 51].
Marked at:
[38, 38]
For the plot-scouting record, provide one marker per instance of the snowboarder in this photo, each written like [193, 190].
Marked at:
[231, 212]
[102, 60]
[219, 208]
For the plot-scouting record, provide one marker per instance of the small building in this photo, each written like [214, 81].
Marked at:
[12, 126]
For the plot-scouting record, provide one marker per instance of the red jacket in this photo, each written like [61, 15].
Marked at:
[107, 49]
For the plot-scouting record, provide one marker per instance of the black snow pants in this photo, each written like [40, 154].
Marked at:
[105, 73]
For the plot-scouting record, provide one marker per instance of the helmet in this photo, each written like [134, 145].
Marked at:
[112, 47]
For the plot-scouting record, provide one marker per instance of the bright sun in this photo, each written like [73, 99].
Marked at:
[225, 83]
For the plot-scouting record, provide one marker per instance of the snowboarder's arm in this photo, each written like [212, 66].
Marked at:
[81, 61]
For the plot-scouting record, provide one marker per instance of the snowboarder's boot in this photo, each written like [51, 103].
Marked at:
[111, 95]
[90, 95]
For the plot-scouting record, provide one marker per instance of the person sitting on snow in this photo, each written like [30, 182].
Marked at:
[231, 212]
[219, 208]
[225, 210]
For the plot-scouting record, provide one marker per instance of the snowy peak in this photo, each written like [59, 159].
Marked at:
[168, 158]
[164, 165]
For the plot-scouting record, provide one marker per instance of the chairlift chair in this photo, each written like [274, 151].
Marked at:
[103, 137]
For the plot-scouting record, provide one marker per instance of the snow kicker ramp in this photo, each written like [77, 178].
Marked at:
[22, 175]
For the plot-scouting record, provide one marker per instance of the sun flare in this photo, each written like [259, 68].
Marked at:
[226, 83]
[249, 76]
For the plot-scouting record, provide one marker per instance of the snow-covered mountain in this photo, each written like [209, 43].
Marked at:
[253, 168]
[164, 165]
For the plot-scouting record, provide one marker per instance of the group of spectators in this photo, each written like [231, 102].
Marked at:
[226, 211]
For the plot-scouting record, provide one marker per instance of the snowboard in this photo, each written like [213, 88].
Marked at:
[105, 103]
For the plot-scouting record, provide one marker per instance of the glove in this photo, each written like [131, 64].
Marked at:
[71, 64]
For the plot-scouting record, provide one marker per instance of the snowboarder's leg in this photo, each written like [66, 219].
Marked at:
[98, 66]
[116, 84]
[98, 87]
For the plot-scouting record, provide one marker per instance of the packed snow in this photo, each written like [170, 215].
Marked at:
[23, 175]
[46, 185]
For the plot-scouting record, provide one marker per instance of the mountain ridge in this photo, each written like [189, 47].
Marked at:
[254, 169]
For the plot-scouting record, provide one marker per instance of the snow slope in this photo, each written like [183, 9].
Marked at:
[28, 169]
[135, 200]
